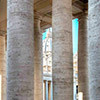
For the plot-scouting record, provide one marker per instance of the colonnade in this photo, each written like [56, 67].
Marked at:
[24, 57]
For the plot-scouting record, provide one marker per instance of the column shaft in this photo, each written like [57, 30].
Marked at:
[46, 90]
[38, 66]
[20, 54]
[94, 49]
[2, 69]
[51, 91]
[62, 50]
[82, 57]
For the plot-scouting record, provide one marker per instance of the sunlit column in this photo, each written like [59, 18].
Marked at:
[80, 96]
[20, 50]
[62, 70]
[46, 90]
[0, 87]
[2, 69]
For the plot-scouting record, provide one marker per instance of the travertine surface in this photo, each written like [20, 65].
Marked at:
[38, 67]
[94, 49]
[2, 68]
[20, 69]
[83, 57]
[62, 50]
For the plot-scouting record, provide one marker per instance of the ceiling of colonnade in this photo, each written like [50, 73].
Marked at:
[42, 8]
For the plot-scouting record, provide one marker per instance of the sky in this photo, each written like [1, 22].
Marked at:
[75, 35]
[45, 33]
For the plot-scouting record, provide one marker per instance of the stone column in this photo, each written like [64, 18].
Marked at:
[62, 50]
[2, 68]
[20, 54]
[44, 92]
[51, 91]
[38, 67]
[94, 49]
[82, 57]
[47, 90]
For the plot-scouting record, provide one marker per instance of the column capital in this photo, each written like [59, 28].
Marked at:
[82, 15]
[37, 17]
[37, 23]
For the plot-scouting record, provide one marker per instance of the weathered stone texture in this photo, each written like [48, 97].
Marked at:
[62, 50]
[2, 68]
[38, 66]
[94, 49]
[83, 57]
[20, 47]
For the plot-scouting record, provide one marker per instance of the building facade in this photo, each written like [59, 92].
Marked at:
[47, 66]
